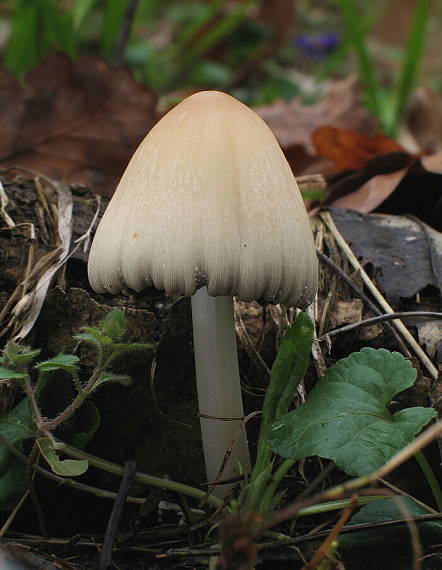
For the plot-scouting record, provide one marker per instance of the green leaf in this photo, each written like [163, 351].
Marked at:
[80, 11]
[107, 376]
[113, 17]
[19, 355]
[16, 427]
[66, 362]
[120, 348]
[410, 64]
[6, 374]
[21, 50]
[114, 324]
[289, 367]
[87, 421]
[356, 38]
[65, 468]
[12, 482]
[346, 418]
[93, 335]
[287, 372]
[393, 537]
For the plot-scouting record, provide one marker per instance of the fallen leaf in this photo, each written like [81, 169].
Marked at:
[346, 312]
[433, 163]
[430, 336]
[373, 193]
[77, 122]
[349, 149]
[294, 122]
[405, 255]
[424, 118]
[395, 183]
[345, 183]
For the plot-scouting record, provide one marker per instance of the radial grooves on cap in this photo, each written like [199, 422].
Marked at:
[207, 199]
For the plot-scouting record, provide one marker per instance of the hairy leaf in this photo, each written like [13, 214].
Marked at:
[114, 325]
[7, 374]
[67, 362]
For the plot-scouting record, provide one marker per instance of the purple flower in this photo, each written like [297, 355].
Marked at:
[317, 45]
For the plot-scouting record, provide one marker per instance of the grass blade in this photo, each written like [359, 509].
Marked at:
[21, 51]
[113, 17]
[410, 64]
[356, 38]
[80, 11]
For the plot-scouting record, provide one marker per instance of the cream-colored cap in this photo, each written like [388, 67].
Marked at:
[207, 199]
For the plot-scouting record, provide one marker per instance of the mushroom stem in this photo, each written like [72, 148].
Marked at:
[219, 388]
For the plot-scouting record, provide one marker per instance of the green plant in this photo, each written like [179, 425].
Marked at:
[38, 27]
[387, 105]
[26, 421]
[345, 417]
[122, 30]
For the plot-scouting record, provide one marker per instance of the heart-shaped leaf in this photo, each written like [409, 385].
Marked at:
[345, 417]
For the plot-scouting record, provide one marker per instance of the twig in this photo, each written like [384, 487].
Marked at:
[354, 528]
[327, 261]
[414, 533]
[382, 318]
[404, 494]
[115, 518]
[399, 325]
[247, 343]
[12, 516]
[29, 475]
[140, 477]
[349, 486]
[311, 182]
[334, 533]
[102, 493]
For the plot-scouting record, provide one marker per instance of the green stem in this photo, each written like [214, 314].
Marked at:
[144, 478]
[276, 479]
[81, 396]
[356, 38]
[430, 477]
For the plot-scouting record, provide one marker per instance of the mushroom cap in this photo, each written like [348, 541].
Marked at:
[208, 198]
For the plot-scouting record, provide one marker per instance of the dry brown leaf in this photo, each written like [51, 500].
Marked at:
[433, 163]
[424, 119]
[346, 312]
[349, 149]
[395, 183]
[371, 194]
[77, 122]
[293, 123]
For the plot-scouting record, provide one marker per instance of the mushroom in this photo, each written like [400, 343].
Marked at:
[208, 207]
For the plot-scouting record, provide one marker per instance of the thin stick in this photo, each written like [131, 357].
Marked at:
[102, 493]
[12, 516]
[350, 486]
[399, 325]
[382, 318]
[331, 537]
[311, 182]
[117, 511]
[179, 552]
[246, 341]
[327, 261]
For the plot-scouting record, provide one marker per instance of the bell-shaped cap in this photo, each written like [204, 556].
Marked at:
[207, 199]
